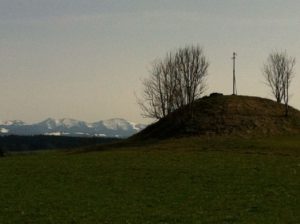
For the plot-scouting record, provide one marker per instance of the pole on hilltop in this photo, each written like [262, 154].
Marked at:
[234, 92]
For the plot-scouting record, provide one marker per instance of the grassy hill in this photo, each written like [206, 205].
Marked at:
[226, 115]
[188, 180]
[218, 177]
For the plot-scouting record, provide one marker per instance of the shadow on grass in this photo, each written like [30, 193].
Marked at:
[277, 145]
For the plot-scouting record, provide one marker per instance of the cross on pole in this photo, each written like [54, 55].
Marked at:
[234, 79]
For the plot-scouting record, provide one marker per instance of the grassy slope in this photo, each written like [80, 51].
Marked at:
[225, 115]
[175, 181]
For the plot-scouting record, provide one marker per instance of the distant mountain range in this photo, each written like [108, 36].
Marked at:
[119, 128]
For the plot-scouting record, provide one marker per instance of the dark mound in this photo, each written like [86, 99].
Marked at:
[226, 115]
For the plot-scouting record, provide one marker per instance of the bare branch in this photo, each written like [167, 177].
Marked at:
[176, 81]
[279, 72]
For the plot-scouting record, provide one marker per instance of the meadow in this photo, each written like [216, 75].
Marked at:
[190, 180]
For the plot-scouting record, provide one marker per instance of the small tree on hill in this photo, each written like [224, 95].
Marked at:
[175, 81]
[279, 72]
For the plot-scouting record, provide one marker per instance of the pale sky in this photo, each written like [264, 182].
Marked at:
[84, 59]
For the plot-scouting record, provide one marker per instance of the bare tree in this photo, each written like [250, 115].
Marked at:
[191, 66]
[175, 81]
[158, 95]
[279, 72]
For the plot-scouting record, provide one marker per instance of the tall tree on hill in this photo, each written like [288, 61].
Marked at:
[279, 72]
[175, 81]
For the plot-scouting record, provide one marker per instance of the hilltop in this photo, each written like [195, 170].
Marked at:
[219, 115]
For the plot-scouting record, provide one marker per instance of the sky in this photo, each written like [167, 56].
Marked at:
[86, 59]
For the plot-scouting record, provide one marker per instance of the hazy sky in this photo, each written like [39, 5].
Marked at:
[85, 59]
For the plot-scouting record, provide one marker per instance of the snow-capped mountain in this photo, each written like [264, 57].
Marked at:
[65, 122]
[12, 122]
[70, 127]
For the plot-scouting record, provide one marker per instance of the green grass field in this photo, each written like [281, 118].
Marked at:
[174, 181]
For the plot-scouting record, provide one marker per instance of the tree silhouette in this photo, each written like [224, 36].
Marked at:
[279, 72]
[174, 82]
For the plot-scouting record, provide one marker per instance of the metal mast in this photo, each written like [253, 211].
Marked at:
[234, 79]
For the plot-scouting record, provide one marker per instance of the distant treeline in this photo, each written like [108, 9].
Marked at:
[15, 143]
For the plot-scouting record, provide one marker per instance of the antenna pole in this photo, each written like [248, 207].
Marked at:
[234, 79]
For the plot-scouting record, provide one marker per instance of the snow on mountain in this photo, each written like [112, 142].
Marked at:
[72, 122]
[4, 130]
[12, 122]
[71, 127]
[53, 133]
[137, 127]
[116, 124]
[100, 135]
[66, 122]
[50, 123]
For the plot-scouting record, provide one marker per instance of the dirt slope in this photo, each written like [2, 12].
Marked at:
[226, 115]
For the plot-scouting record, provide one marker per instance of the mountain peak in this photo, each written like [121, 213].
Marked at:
[50, 123]
[12, 122]
[116, 123]
[69, 122]
[116, 127]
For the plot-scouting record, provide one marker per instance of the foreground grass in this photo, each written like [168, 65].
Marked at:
[175, 181]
